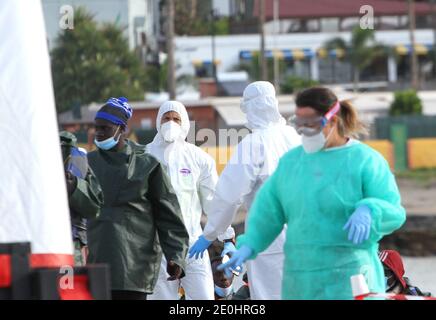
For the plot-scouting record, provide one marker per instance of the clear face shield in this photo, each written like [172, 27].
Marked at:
[311, 126]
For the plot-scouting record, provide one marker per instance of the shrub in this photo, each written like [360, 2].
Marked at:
[405, 102]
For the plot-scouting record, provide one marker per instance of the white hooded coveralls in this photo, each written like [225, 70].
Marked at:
[254, 160]
[193, 176]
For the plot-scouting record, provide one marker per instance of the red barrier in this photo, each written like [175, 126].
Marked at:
[5, 271]
[25, 276]
[79, 291]
[50, 260]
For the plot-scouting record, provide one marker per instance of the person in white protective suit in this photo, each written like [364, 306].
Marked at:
[255, 159]
[193, 176]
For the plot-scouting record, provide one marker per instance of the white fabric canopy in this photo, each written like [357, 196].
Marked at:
[33, 197]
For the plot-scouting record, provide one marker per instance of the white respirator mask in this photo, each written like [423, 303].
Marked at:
[310, 128]
[312, 144]
[224, 292]
[170, 131]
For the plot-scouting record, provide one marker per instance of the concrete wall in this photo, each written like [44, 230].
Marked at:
[421, 153]
[203, 116]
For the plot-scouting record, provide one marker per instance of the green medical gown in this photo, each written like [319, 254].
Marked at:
[315, 194]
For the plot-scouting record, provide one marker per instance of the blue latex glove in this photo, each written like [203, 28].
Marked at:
[199, 247]
[359, 225]
[229, 247]
[236, 261]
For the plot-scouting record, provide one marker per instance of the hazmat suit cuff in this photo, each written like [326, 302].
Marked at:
[242, 240]
[376, 214]
[209, 233]
[210, 237]
[386, 216]
[228, 234]
[369, 202]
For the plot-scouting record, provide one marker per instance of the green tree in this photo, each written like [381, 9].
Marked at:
[405, 102]
[91, 64]
[193, 18]
[288, 83]
[292, 84]
[252, 67]
[360, 51]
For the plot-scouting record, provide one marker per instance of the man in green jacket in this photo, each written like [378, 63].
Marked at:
[85, 196]
[140, 217]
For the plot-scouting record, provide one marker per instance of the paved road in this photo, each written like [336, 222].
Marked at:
[418, 198]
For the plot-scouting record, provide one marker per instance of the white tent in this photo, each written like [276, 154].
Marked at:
[33, 197]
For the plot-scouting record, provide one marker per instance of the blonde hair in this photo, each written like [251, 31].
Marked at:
[349, 123]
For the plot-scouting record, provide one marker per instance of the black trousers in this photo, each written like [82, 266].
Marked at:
[128, 295]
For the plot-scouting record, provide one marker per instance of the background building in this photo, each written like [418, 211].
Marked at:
[140, 18]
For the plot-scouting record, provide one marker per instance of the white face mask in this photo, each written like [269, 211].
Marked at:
[109, 143]
[224, 292]
[170, 131]
[312, 144]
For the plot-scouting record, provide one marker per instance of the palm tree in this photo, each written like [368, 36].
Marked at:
[361, 50]
[413, 56]
[170, 49]
[335, 44]
[263, 62]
